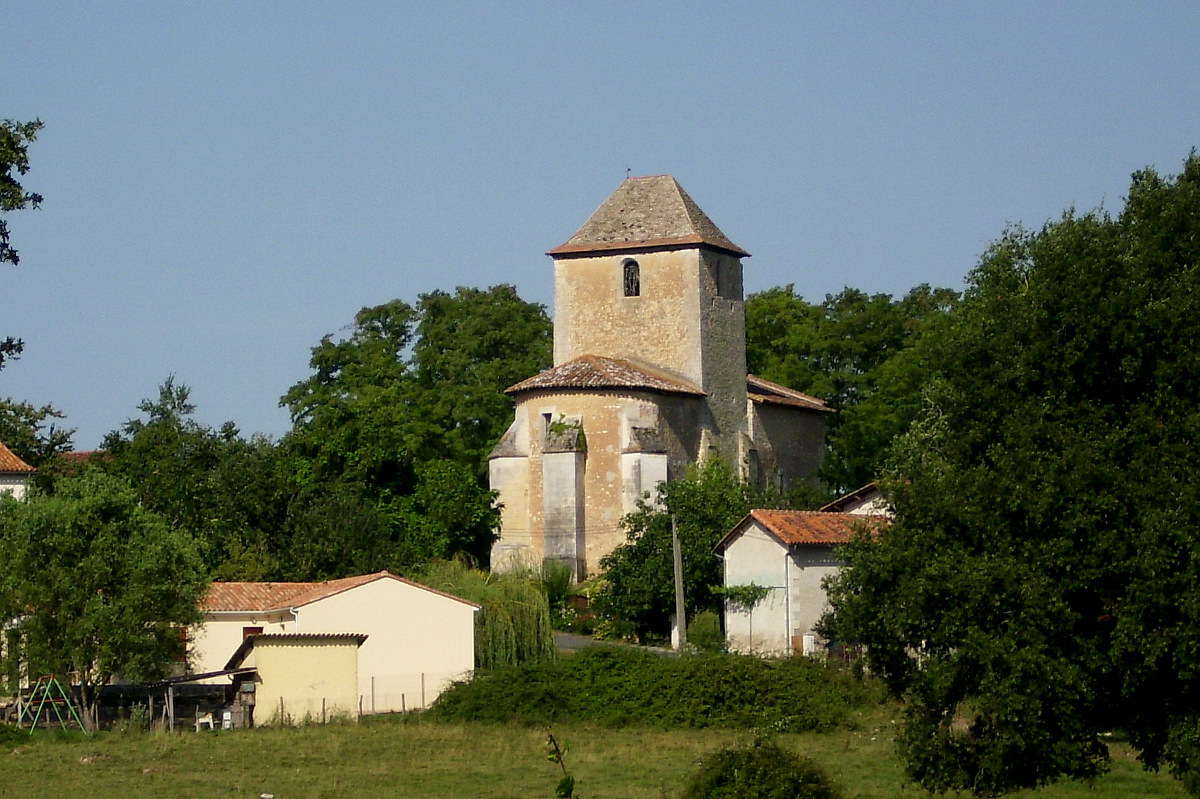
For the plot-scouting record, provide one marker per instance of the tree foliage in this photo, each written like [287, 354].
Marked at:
[1038, 585]
[96, 584]
[32, 432]
[857, 351]
[639, 576]
[407, 406]
[15, 138]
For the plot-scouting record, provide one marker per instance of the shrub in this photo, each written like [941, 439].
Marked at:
[617, 686]
[705, 634]
[760, 771]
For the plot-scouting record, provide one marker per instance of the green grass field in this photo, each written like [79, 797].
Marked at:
[394, 757]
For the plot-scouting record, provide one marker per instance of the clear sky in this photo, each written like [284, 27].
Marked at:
[226, 182]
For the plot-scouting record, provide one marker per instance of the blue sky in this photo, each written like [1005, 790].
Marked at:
[227, 182]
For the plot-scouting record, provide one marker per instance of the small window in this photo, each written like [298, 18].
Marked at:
[249, 631]
[632, 276]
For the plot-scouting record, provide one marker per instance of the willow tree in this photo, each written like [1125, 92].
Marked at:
[513, 625]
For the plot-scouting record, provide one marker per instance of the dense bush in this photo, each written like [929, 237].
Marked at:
[618, 686]
[704, 632]
[759, 771]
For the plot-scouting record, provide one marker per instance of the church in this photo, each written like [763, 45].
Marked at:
[649, 377]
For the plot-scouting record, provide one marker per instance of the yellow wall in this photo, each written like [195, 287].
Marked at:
[303, 673]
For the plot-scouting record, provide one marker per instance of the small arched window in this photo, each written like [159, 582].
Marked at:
[632, 277]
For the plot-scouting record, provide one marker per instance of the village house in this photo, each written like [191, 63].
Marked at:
[649, 376]
[410, 641]
[787, 553]
[14, 473]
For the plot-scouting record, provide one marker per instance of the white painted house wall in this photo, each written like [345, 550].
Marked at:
[757, 557]
[796, 602]
[14, 484]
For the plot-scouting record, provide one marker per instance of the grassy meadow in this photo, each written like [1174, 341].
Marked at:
[411, 757]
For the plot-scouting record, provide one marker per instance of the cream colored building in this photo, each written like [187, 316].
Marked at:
[418, 639]
[789, 553]
[649, 377]
[14, 473]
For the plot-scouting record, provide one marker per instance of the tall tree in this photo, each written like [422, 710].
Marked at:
[97, 584]
[404, 409]
[857, 351]
[1037, 587]
[15, 138]
[32, 432]
[229, 493]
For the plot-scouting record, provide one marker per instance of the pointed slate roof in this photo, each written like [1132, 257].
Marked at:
[643, 212]
[596, 371]
[11, 464]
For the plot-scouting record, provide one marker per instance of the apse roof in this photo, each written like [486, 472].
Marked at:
[598, 372]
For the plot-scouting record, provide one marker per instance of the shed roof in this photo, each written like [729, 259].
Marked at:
[596, 371]
[11, 464]
[651, 211]
[764, 391]
[262, 597]
[251, 641]
[803, 527]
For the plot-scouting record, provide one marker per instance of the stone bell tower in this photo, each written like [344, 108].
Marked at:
[649, 377]
[650, 278]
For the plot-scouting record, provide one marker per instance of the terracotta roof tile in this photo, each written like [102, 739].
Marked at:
[760, 390]
[805, 526]
[11, 464]
[236, 596]
[595, 371]
[651, 211]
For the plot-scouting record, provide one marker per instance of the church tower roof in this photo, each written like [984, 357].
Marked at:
[643, 212]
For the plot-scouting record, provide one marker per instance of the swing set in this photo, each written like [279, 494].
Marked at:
[48, 696]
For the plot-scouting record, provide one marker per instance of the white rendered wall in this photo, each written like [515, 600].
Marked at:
[756, 557]
[14, 485]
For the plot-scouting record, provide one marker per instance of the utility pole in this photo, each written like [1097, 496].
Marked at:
[680, 618]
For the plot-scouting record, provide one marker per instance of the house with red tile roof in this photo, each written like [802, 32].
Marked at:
[417, 640]
[14, 473]
[649, 377]
[788, 553]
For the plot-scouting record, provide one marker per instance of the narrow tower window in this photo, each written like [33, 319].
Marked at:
[632, 274]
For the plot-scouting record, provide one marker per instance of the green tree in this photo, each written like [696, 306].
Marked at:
[96, 584]
[858, 352]
[32, 432]
[15, 138]
[1037, 587]
[639, 576]
[231, 494]
[406, 407]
